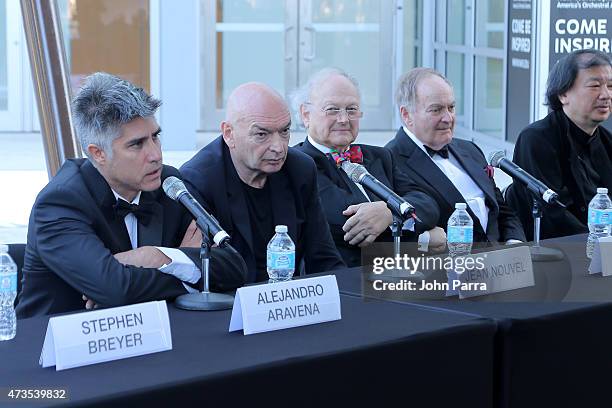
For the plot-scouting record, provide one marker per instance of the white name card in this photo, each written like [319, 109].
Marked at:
[492, 272]
[601, 262]
[108, 334]
[281, 305]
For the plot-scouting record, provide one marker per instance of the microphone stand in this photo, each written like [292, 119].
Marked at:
[397, 274]
[205, 299]
[539, 253]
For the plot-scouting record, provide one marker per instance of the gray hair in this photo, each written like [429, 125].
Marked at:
[406, 91]
[103, 104]
[301, 96]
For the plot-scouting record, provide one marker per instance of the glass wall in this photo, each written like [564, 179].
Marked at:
[469, 50]
[489, 71]
[248, 34]
[110, 36]
[411, 40]
[283, 42]
[3, 61]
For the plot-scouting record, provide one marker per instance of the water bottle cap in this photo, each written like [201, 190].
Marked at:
[460, 206]
[3, 248]
[281, 228]
[602, 190]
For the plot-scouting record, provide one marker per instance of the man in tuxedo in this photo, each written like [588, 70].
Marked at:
[329, 107]
[251, 180]
[449, 169]
[102, 230]
[568, 150]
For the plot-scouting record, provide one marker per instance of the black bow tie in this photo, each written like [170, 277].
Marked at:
[443, 152]
[142, 212]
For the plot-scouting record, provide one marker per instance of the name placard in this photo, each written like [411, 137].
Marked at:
[601, 262]
[492, 272]
[282, 305]
[108, 334]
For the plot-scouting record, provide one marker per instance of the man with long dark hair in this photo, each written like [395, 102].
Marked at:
[568, 150]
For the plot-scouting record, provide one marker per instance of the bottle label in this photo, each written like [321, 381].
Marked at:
[600, 216]
[281, 260]
[8, 283]
[461, 235]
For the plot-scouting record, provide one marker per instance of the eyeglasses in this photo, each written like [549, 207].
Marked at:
[352, 113]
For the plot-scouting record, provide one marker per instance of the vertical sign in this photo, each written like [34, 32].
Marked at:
[576, 25]
[519, 88]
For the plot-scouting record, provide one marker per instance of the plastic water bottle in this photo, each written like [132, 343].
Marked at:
[281, 255]
[600, 215]
[8, 292]
[460, 231]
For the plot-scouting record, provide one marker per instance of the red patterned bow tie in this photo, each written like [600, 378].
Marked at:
[352, 154]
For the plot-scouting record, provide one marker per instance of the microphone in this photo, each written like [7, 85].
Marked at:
[176, 190]
[498, 159]
[359, 174]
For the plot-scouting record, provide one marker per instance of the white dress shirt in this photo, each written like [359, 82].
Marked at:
[180, 266]
[473, 195]
[452, 169]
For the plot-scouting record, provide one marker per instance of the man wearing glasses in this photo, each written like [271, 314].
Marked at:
[252, 180]
[328, 105]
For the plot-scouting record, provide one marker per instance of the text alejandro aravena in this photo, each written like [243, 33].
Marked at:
[309, 307]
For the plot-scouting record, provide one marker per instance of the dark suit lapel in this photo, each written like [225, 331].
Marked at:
[329, 168]
[117, 235]
[374, 166]
[151, 234]
[422, 164]
[283, 203]
[473, 169]
[236, 203]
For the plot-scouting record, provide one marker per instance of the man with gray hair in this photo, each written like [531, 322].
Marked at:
[329, 107]
[568, 150]
[449, 169]
[102, 231]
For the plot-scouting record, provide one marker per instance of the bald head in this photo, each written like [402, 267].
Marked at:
[254, 99]
[256, 131]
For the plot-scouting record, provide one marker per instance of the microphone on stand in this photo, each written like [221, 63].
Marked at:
[540, 192]
[204, 300]
[498, 159]
[176, 190]
[359, 174]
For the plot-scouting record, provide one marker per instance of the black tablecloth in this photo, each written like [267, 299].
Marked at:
[379, 352]
[553, 342]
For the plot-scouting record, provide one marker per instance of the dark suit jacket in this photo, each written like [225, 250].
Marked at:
[337, 192]
[73, 234]
[546, 150]
[503, 223]
[295, 203]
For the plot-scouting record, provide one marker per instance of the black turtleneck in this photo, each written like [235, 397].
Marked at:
[592, 156]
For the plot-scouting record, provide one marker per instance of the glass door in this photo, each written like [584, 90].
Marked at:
[281, 43]
[243, 41]
[11, 117]
[356, 36]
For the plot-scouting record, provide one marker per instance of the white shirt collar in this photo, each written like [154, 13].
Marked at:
[136, 199]
[319, 147]
[415, 139]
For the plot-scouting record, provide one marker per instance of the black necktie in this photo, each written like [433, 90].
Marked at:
[142, 212]
[443, 152]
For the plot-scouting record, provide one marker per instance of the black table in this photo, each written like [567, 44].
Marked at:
[378, 353]
[553, 342]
